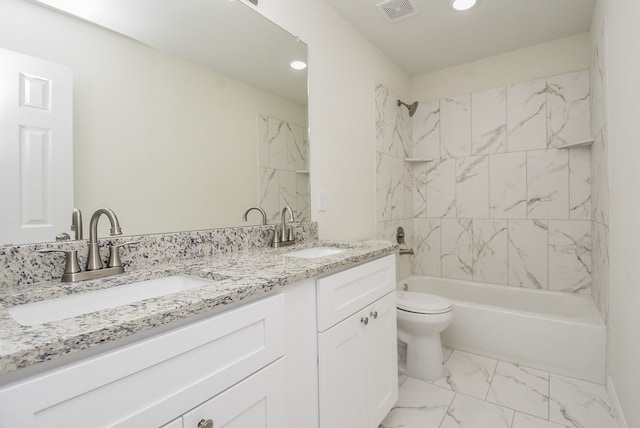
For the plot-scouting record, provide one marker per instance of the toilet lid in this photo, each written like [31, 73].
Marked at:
[422, 303]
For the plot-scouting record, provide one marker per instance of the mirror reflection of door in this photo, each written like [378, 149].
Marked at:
[36, 148]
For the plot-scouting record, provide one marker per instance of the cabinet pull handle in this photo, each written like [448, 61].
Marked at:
[374, 314]
[205, 424]
[364, 320]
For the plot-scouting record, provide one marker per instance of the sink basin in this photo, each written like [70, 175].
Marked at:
[83, 303]
[315, 252]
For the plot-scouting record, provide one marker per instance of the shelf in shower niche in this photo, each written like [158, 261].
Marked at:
[417, 160]
[583, 143]
[302, 171]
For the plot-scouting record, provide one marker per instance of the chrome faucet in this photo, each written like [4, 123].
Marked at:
[95, 267]
[93, 257]
[285, 237]
[257, 208]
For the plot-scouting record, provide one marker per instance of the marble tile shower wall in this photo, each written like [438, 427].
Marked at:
[495, 198]
[600, 178]
[283, 158]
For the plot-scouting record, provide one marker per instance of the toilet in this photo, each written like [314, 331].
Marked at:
[421, 319]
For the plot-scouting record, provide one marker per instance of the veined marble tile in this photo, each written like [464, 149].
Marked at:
[457, 255]
[455, 126]
[490, 251]
[402, 144]
[385, 115]
[600, 178]
[278, 143]
[570, 255]
[427, 245]
[296, 144]
[287, 189]
[419, 189]
[469, 412]
[472, 187]
[580, 404]
[401, 189]
[520, 420]
[269, 193]
[420, 404]
[468, 373]
[528, 253]
[548, 184]
[600, 268]
[508, 185]
[303, 208]
[580, 183]
[568, 108]
[426, 131]
[520, 388]
[441, 188]
[384, 186]
[527, 116]
[263, 141]
[489, 121]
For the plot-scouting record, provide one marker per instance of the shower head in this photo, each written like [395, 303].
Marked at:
[412, 108]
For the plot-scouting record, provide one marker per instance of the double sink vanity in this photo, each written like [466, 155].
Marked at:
[297, 337]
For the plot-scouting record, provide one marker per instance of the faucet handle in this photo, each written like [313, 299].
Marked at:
[71, 259]
[114, 253]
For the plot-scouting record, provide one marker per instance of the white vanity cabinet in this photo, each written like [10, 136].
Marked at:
[357, 357]
[236, 357]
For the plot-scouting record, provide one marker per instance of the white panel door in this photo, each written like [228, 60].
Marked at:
[36, 148]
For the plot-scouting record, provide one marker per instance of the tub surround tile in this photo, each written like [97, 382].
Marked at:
[600, 177]
[472, 187]
[426, 131]
[441, 188]
[469, 412]
[528, 253]
[568, 108]
[570, 256]
[489, 121]
[520, 388]
[548, 184]
[580, 404]
[419, 189]
[526, 114]
[384, 186]
[490, 251]
[455, 126]
[457, 250]
[468, 373]
[580, 183]
[427, 245]
[508, 185]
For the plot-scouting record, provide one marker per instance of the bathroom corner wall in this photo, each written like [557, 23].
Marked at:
[495, 199]
[599, 171]
[394, 176]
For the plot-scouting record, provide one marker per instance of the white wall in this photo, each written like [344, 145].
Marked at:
[344, 69]
[543, 60]
[623, 92]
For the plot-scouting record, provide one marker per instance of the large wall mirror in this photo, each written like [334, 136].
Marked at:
[186, 112]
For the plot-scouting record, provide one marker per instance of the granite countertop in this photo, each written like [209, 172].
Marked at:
[236, 276]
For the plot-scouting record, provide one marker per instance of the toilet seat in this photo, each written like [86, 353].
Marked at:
[422, 303]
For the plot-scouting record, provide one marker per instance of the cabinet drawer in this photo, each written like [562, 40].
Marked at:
[257, 402]
[152, 381]
[343, 293]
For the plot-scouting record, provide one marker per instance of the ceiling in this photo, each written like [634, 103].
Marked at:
[439, 37]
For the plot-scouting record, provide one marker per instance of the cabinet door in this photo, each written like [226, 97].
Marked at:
[342, 375]
[256, 402]
[381, 355]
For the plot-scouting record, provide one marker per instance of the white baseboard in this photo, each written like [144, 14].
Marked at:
[622, 423]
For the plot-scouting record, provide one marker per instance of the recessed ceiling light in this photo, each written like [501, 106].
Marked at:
[298, 65]
[462, 4]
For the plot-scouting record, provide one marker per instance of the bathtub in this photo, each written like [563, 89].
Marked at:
[557, 332]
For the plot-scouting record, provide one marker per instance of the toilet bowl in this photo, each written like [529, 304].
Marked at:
[421, 318]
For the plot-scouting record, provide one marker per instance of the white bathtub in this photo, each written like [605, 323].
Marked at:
[552, 331]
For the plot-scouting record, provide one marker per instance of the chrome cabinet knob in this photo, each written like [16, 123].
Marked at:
[364, 320]
[205, 423]
[374, 314]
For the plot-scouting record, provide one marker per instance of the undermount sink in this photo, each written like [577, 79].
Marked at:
[45, 311]
[315, 252]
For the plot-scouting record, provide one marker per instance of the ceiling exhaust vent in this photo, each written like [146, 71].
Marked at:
[396, 10]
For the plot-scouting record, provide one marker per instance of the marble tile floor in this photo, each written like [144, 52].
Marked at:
[481, 392]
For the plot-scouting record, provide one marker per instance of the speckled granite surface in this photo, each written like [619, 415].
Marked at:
[237, 275]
